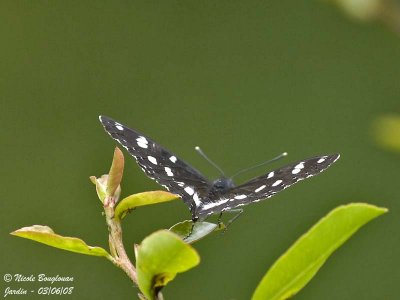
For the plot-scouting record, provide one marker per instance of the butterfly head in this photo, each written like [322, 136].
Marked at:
[222, 185]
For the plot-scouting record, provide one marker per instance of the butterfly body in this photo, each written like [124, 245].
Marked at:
[218, 188]
[221, 186]
[202, 196]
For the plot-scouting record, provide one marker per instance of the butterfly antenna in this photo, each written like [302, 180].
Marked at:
[209, 160]
[263, 163]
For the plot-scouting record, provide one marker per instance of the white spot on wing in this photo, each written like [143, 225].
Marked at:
[168, 171]
[239, 197]
[321, 160]
[271, 174]
[278, 182]
[213, 204]
[189, 190]
[152, 159]
[142, 139]
[142, 145]
[295, 171]
[196, 200]
[119, 127]
[142, 142]
[173, 159]
[298, 168]
[260, 188]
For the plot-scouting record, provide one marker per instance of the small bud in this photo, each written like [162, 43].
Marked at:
[101, 186]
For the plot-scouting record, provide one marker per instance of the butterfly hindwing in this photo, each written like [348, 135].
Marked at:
[267, 185]
[160, 164]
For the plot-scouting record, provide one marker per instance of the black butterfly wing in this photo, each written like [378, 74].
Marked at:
[160, 164]
[267, 185]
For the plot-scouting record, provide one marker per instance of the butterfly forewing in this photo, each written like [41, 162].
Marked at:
[160, 164]
[267, 185]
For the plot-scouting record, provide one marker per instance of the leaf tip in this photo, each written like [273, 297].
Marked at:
[93, 179]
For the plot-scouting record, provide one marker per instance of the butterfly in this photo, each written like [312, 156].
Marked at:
[202, 196]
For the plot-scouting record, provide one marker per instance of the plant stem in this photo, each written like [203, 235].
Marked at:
[121, 259]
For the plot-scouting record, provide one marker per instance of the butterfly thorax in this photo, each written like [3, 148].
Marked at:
[218, 189]
[221, 186]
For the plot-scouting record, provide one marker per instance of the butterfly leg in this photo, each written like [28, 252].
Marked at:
[219, 222]
[190, 231]
[194, 220]
[238, 213]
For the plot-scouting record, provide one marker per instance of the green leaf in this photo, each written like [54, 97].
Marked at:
[386, 131]
[295, 268]
[159, 258]
[140, 199]
[366, 10]
[45, 235]
[189, 233]
[116, 172]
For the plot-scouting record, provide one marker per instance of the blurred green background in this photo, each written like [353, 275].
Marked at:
[244, 80]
